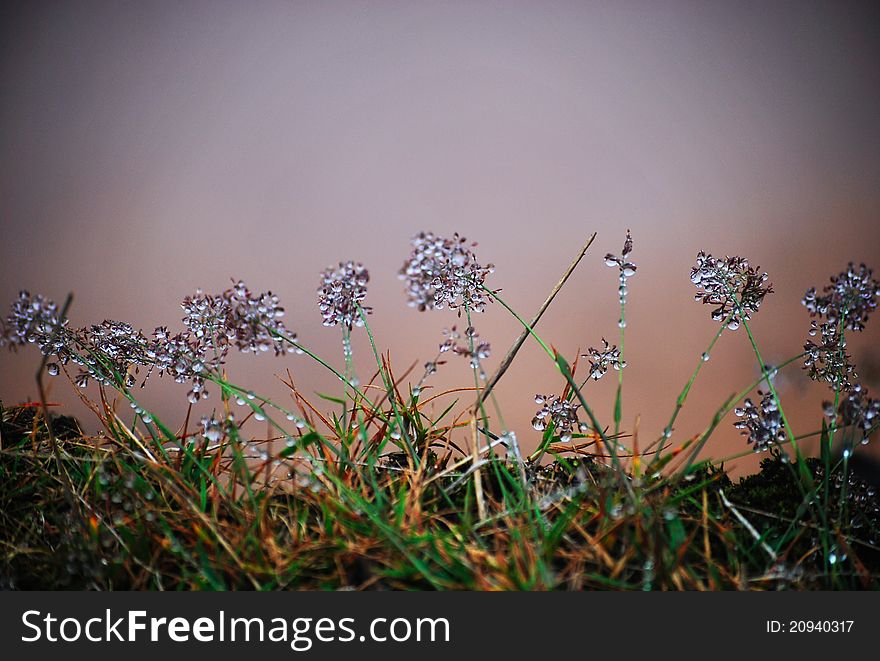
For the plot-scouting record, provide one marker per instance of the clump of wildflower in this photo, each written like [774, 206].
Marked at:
[627, 270]
[602, 359]
[851, 296]
[763, 424]
[342, 289]
[443, 272]
[827, 360]
[250, 323]
[105, 351]
[114, 351]
[856, 410]
[561, 412]
[732, 285]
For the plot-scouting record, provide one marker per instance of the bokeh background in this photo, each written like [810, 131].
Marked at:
[152, 148]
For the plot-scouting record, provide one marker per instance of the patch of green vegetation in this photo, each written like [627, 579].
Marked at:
[97, 515]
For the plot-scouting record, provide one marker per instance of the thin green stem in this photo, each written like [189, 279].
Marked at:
[682, 397]
[730, 404]
[389, 388]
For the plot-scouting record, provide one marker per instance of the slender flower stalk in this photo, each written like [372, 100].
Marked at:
[845, 303]
[340, 295]
[682, 396]
[772, 388]
[627, 269]
[389, 389]
[737, 291]
[806, 483]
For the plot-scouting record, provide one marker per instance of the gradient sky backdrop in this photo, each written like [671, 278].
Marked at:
[152, 148]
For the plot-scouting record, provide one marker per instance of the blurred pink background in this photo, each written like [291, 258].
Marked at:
[153, 148]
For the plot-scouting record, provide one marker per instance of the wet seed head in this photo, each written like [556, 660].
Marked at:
[603, 358]
[561, 413]
[731, 285]
[761, 423]
[342, 290]
[856, 410]
[827, 360]
[443, 272]
[850, 296]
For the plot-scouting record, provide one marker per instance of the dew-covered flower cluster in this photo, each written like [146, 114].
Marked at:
[827, 360]
[252, 322]
[602, 359]
[851, 296]
[762, 423]
[561, 412]
[443, 272]
[342, 289]
[735, 288]
[32, 320]
[186, 358]
[236, 318]
[627, 270]
[856, 410]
